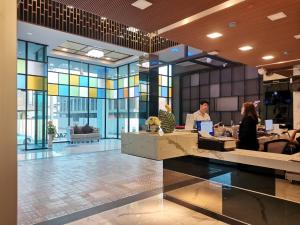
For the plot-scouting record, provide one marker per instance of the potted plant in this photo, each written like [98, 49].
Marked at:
[153, 124]
[167, 119]
[51, 131]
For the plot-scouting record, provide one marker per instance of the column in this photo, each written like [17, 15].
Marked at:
[8, 115]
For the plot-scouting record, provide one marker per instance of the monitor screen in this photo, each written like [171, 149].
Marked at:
[269, 125]
[206, 126]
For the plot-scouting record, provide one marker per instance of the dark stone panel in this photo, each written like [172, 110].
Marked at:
[195, 92]
[253, 178]
[215, 76]
[251, 87]
[204, 91]
[195, 79]
[186, 81]
[258, 209]
[215, 90]
[238, 88]
[226, 75]
[251, 73]
[226, 118]
[238, 73]
[194, 105]
[226, 90]
[186, 93]
[204, 78]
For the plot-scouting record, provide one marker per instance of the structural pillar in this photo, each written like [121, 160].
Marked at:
[8, 114]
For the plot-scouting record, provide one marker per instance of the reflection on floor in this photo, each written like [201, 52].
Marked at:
[53, 187]
[63, 149]
[151, 211]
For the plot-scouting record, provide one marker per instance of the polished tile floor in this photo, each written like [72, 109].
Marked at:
[81, 177]
[151, 211]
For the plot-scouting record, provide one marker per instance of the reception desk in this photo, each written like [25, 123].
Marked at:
[237, 187]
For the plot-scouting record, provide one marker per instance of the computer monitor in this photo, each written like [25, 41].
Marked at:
[189, 122]
[269, 125]
[206, 126]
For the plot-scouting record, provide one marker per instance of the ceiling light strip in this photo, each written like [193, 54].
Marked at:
[281, 62]
[200, 15]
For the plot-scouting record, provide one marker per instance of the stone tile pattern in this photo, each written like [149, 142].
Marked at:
[151, 211]
[53, 187]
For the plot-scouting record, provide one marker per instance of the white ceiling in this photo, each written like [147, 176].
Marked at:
[53, 38]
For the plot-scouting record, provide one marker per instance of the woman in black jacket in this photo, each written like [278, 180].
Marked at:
[247, 132]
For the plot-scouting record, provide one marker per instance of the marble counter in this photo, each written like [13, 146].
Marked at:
[154, 146]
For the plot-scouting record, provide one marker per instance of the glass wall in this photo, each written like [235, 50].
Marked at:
[165, 86]
[114, 100]
[31, 95]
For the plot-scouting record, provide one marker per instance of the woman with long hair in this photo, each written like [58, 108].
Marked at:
[248, 132]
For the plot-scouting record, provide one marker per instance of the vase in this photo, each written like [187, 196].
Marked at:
[154, 129]
[50, 140]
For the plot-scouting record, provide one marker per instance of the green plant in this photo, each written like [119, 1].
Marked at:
[51, 129]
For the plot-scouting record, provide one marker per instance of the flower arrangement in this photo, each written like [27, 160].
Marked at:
[51, 129]
[153, 120]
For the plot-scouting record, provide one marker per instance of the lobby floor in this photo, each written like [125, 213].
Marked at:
[151, 211]
[89, 175]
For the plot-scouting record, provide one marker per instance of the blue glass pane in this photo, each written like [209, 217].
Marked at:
[58, 65]
[21, 49]
[112, 73]
[36, 52]
[143, 106]
[101, 93]
[63, 90]
[84, 82]
[21, 82]
[121, 93]
[115, 84]
[97, 71]
[164, 91]
[136, 91]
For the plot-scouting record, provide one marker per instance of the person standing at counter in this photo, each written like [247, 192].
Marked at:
[202, 114]
[247, 131]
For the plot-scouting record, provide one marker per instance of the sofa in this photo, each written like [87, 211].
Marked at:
[78, 134]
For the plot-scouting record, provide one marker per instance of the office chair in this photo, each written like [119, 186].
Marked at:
[276, 146]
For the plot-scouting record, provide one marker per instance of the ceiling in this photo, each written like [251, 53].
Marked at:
[253, 28]
[252, 25]
[162, 12]
[80, 49]
[118, 55]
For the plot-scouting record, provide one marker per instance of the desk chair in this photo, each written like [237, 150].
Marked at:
[276, 146]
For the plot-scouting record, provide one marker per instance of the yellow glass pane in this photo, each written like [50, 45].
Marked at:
[170, 92]
[35, 83]
[52, 89]
[136, 80]
[74, 80]
[159, 80]
[93, 92]
[109, 84]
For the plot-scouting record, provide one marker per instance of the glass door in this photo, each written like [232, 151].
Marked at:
[36, 120]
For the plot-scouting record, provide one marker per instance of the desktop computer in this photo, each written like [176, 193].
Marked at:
[269, 125]
[206, 126]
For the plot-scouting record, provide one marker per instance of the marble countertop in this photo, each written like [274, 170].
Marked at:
[183, 143]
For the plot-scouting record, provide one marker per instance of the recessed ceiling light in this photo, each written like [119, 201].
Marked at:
[268, 57]
[29, 33]
[132, 29]
[277, 16]
[141, 4]
[95, 53]
[70, 6]
[246, 48]
[214, 35]
[213, 53]
[64, 49]
[297, 36]
[107, 58]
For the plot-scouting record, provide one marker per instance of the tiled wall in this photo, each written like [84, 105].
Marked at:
[225, 89]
